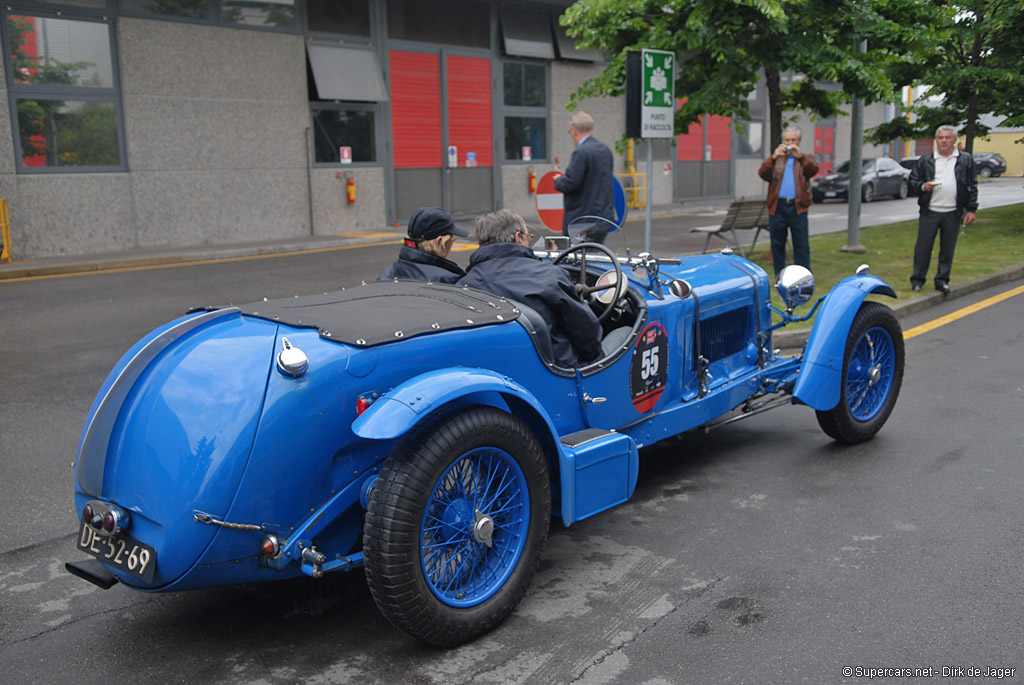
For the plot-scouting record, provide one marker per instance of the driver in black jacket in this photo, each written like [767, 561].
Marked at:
[424, 256]
[505, 265]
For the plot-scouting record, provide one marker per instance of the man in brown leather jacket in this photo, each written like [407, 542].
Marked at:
[789, 174]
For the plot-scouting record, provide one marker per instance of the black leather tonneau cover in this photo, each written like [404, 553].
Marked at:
[386, 311]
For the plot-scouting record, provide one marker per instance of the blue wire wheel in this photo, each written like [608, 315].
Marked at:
[455, 524]
[873, 364]
[870, 375]
[474, 527]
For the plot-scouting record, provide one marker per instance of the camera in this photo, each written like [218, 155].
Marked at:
[787, 149]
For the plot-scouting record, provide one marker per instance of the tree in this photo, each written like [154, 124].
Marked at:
[724, 45]
[978, 68]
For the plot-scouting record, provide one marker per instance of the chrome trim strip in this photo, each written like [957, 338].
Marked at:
[92, 458]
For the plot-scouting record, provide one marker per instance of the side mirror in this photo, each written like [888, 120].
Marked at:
[557, 243]
[795, 286]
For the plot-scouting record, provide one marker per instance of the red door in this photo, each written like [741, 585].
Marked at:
[442, 132]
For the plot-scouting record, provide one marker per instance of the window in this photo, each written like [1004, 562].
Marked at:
[750, 143]
[177, 9]
[346, 73]
[525, 33]
[345, 85]
[525, 99]
[65, 98]
[89, 4]
[567, 45]
[344, 125]
[277, 14]
[455, 22]
[350, 17]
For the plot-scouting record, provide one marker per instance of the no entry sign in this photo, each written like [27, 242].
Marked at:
[552, 211]
[549, 201]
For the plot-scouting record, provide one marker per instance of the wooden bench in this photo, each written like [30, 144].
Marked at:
[742, 215]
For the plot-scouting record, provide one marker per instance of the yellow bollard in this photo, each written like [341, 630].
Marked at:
[635, 186]
[5, 233]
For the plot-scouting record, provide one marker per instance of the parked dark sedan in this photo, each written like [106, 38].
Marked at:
[879, 176]
[989, 164]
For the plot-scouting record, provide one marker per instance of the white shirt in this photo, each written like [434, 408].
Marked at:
[944, 197]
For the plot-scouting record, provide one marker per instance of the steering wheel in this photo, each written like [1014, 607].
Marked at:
[604, 282]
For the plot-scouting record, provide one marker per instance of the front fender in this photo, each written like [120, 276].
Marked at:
[818, 385]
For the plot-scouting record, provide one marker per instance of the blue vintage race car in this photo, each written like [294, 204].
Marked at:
[422, 431]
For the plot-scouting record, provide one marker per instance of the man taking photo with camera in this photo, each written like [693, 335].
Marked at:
[789, 174]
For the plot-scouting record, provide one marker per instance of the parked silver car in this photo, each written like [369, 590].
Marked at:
[879, 176]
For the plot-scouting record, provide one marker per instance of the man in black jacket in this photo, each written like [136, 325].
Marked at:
[948, 186]
[505, 265]
[424, 256]
[588, 182]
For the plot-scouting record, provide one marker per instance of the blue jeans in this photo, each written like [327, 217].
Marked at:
[786, 218]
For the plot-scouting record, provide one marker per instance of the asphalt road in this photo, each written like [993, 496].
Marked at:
[759, 553]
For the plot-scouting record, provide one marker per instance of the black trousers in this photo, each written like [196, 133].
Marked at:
[947, 225]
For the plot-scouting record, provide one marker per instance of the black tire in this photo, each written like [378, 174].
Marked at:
[818, 198]
[867, 193]
[872, 375]
[985, 172]
[429, 571]
[904, 189]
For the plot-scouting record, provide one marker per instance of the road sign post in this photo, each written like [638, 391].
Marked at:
[657, 94]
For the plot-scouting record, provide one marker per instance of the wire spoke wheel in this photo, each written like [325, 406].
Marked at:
[474, 527]
[872, 375]
[455, 525]
[869, 378]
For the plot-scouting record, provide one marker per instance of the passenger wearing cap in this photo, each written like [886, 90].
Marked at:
[424, 256]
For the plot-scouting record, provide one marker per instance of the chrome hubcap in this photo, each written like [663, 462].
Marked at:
[483, 529]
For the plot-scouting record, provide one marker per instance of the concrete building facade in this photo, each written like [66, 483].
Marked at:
[168, 123]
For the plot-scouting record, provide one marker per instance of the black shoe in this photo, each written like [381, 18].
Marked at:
[916, 288]
[942, 288]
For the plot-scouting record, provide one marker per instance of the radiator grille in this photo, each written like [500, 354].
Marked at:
[724, 334]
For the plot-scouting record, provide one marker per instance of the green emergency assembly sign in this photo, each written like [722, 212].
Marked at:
[657, 107]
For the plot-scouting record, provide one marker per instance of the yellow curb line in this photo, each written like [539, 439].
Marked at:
[961, 313]
[223, 260]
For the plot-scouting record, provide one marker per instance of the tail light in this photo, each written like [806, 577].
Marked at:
[105, 518]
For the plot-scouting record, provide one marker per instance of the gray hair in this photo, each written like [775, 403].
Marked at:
[794, 129]
[498, 227]
[946, 127]
[583, 122]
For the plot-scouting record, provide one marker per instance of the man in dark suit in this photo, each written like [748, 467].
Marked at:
[587, 183]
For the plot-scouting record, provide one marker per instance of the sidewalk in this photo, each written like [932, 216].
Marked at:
[70, 264]
[670, 228]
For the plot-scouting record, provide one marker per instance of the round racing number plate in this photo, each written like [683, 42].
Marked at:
[649, 368]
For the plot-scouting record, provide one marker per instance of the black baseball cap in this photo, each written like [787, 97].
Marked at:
[428, 223]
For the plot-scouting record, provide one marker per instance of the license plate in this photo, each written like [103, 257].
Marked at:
[121, 551]
[830, 193]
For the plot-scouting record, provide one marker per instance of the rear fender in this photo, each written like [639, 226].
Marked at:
[405, 406]
[818, 385]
